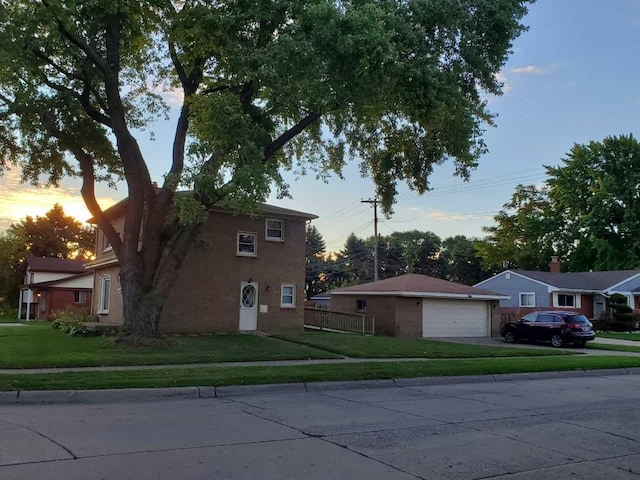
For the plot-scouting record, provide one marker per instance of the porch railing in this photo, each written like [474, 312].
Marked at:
[322, 319]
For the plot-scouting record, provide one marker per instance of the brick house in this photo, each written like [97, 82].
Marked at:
[52, 284]
[243, 273]
[584, 292]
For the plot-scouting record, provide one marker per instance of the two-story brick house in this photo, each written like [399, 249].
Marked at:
[242, 274]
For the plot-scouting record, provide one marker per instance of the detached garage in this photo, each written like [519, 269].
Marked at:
[421, 306]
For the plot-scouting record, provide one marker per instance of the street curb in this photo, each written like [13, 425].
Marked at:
[34, 397]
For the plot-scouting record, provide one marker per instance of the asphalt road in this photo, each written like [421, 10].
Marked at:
[582, 428]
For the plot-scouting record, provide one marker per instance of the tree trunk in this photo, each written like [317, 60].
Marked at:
[145, 287]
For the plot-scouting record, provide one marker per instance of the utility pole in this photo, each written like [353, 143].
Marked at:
[374, 202]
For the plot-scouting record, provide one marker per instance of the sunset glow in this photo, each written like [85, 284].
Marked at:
[18, 200]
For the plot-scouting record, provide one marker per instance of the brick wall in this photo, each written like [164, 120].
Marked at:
[408, 317]
[206, 294]
[384, 309]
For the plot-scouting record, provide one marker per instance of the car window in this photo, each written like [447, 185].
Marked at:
[576, 319]
[530, 317]
[545, 318]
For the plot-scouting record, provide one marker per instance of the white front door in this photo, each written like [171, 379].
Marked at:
[248, 306]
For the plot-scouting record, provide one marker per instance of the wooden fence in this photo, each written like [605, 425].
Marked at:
[323, 319]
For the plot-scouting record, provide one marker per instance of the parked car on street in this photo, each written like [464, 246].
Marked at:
[557, 327]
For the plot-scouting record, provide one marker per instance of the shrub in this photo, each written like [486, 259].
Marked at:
[70, 320]
[620, 317]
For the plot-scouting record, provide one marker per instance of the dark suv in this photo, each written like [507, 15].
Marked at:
[558, 328]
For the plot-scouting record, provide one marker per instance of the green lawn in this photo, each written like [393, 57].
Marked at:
[619, 348]
[219, 376]
[38, 345]
[621, 336]
[360, 346]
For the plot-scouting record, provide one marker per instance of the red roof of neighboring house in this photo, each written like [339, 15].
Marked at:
[417, 285]
[54, 264]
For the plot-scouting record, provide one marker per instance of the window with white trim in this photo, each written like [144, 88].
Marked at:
[527, 299]
[80, 297]
[566, 300]
[105, 292]
[274, 230]
[247, 244]
[288, 296]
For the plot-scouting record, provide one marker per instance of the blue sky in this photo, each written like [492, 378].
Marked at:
[573, 77]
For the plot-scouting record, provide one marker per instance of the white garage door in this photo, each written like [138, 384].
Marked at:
[455, 318]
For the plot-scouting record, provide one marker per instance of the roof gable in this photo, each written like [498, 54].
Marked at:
[580, 280]
[54, 264]
[416, 284]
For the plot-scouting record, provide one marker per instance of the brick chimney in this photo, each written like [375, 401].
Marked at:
[554, 264]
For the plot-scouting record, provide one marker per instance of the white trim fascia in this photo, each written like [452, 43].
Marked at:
[520, 275]
[577, 290]
[620, 283]
[103, 262]
[462, 296]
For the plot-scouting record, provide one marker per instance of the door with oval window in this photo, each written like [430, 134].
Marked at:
[248, 306]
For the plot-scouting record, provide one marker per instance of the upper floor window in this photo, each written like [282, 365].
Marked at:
[31, 277]
[106, 245]
[247, 244]
[274, 230]
[527, 299]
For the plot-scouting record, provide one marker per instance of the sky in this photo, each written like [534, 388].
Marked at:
[573, 77]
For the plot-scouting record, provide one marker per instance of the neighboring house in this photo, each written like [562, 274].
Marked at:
[242, 274]
[420, 306]
[52, 284]
[320, 300]
[586, 292]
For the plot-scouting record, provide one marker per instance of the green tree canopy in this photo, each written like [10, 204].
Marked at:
[588, 212]
[462, 263]
[266, 85]
[315, 261]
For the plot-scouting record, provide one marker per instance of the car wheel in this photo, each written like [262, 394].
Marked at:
[556, 340]
[509, 337]
[580, 343]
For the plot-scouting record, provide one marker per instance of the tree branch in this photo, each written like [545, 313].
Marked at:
[271, 149]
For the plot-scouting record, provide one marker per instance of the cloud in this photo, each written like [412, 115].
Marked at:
[506, 86]
[18, 200]
[528, 70]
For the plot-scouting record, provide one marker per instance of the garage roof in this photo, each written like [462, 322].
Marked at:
[414, 285]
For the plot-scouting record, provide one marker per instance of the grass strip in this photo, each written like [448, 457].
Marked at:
[619, 348]
[634, 337]
[39, 346]
[360, 346]
[219, 376]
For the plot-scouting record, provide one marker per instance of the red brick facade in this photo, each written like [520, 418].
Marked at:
[206, 294]
[56, 299]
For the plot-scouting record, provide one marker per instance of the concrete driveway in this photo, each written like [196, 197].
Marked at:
[583, 428]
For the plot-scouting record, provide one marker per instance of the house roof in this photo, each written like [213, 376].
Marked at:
[54, 283]
[321, 296]
[580, 280]
[54, 264]
[419, 286]
[118, 209]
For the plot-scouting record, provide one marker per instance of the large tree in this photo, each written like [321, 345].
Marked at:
[409, 252]
[315, 262]
[596, 193]
[462, 263]
[53, 234]
[263, 85]
[524, 234]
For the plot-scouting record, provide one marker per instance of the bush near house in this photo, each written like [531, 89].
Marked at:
[620, 317]
[71, 321]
